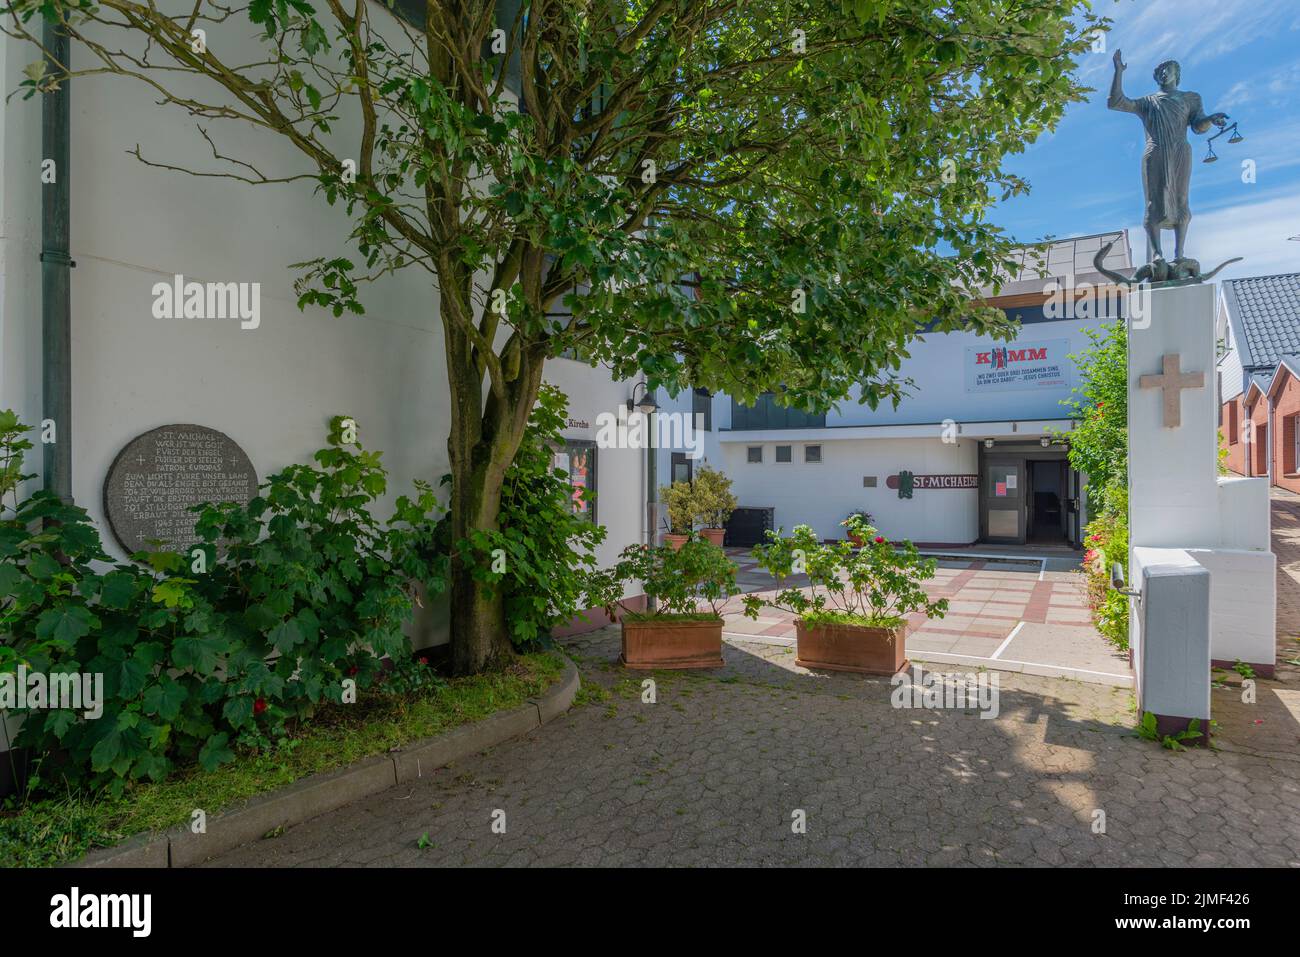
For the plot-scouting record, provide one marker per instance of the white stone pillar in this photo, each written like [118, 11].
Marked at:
[1173, 494]
[1173, 499]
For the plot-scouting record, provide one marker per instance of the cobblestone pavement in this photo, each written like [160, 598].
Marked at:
[714, 771]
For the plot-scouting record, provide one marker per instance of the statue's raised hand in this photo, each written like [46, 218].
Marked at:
[1118, 58]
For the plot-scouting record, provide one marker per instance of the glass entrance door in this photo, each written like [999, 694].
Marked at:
[1002, 500]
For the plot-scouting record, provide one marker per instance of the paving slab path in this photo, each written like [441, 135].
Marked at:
[718, 768]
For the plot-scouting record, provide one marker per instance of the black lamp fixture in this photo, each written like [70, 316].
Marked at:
[646, 405]
[1236, 137]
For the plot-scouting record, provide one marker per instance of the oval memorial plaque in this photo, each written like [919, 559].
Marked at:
[159, 475]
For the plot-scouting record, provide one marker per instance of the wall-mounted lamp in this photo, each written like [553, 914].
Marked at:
[988, 443]
[1044, 441]
[1236, 137]
[646, 404]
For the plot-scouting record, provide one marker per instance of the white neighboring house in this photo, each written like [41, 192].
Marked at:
[974, 433]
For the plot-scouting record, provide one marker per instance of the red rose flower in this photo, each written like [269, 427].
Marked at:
[353, 670]
[423, 660]
[259, 706]
[880, 539]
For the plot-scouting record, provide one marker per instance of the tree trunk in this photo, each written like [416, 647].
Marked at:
[480, 640]
[482, 443]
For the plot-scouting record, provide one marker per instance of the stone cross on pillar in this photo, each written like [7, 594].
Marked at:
[1172, 382]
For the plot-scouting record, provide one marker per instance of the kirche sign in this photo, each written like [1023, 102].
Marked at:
[1017, 366]
[906, 482]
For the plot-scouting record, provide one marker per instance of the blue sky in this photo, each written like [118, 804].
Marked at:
[1243, 57]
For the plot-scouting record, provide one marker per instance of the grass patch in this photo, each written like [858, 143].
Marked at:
[51, 831]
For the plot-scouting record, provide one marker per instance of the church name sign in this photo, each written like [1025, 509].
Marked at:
[1016, 367]
[906, 482]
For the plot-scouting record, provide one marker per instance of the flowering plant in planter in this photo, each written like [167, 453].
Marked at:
[689, 585]
[852, 614]
[864, 516]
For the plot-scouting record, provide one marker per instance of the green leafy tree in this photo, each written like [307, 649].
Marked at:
[744, 197]
[1099, 440]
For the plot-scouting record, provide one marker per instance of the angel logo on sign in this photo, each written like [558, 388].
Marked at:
[1030, 365]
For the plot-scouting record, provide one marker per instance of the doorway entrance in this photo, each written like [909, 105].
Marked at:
[1029, 495]
[1045, 499]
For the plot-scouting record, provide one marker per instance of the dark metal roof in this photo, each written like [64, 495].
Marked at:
[1265, 316]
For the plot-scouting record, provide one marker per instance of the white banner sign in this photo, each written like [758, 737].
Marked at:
[1018, 366]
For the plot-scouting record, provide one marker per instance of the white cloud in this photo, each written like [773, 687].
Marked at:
[1190, 31]
[1257, 230]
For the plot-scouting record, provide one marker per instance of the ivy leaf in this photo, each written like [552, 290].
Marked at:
[117, 589]
[131, 677]
[238, 711]
[285, 635]
[164, 699]
[65, 623]
[9, 576]
[106, 750]
[215, 752]
[201, 654]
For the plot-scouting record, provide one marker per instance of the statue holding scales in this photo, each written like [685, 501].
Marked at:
[1166, 167]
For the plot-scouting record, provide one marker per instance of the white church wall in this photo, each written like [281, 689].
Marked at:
[822, 494]
[273, 388]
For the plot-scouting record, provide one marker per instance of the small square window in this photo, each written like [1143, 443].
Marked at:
[783, 453]
[812, 453]
[755, 453]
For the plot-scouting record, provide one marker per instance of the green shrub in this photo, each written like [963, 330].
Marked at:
[878, 584]
[1099, 449]
[712, 499]
[1107, 541]
[679, 499]
[682, 581]
[219, 647]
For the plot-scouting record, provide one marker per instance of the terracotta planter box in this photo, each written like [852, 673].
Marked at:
[714, 535]
[867, 651]
[857, 540]
[671, 643]
[675, 541]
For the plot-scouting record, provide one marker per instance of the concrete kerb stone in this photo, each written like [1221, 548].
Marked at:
[142, 850]
[300, 801]
[321, 793]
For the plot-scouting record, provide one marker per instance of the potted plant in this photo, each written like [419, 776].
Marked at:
[679, 500]
[853, 615]
[689, 586]
[865, 516]
[713, 503]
